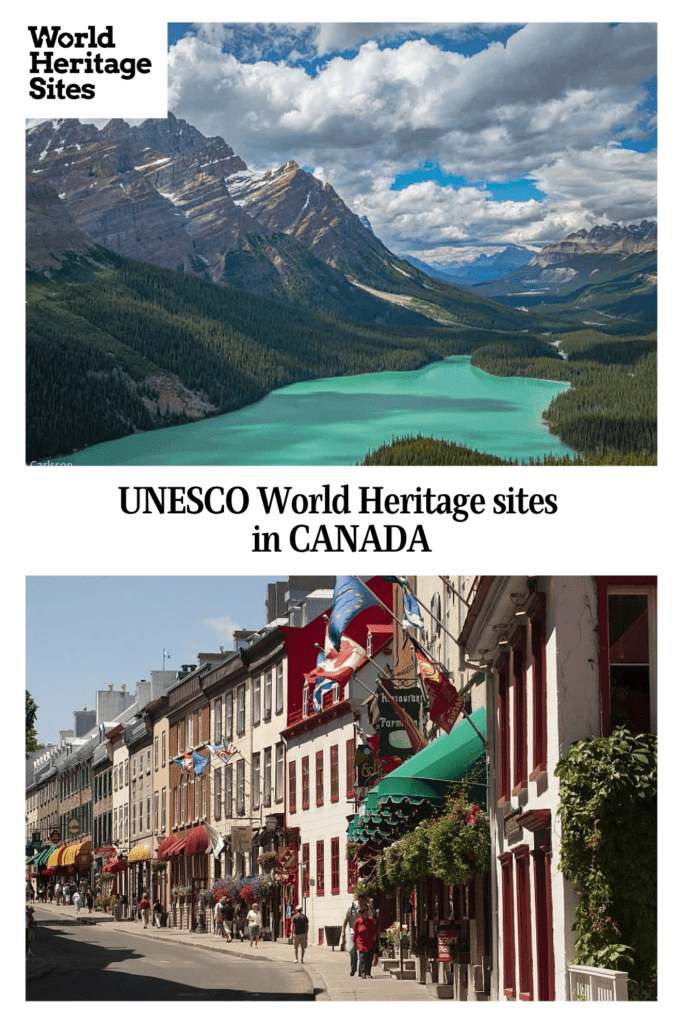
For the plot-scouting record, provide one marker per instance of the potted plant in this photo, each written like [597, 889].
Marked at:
[267, 861]
[459, 843]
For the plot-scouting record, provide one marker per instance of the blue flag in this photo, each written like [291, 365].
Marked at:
[350, 598]
[199, 763]
[322, 685]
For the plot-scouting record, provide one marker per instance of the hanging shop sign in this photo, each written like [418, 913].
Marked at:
[240, 838]
[74, 826]
[393, 738]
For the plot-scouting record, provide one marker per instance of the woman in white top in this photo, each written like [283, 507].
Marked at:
[254, 923]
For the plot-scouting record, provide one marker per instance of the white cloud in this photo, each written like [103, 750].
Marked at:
[551, 103]
[223, 628]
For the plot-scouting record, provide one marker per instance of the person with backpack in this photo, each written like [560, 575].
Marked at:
[300, 933]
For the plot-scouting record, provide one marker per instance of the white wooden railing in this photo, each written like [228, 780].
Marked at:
[596, 983]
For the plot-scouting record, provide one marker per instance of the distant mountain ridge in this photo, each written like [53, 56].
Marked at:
[603, 238]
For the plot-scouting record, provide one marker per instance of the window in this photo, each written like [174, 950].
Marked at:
[217, 793]
[175, 807]
[163, 749]
[268, 694]
[240, 787]
[292, 787]
[218, 720]
[125, 822]
[306, 869]
[350, 770]
[256, 781]
[227, 774]
[149, 760]
[539, 726]
[267, 777]
[503, 730]
[304, 784]
[140, 765]
[526, 984]
[183, 788]
[628, 644]
[278, 689]
[279, 772]
[240, 708]
[520, 723]
[508, 901]
[156, 753]
[156, 810]
[126, 773]
[335, 865]
[305, 701]
[320, 867]
[257, 699]
[319, 780]
[351, 874]
[334, 774]
[228, 715]
[163, 809]
[140, 809]
[436, 615]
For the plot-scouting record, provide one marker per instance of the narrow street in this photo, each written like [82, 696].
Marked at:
[93, 963]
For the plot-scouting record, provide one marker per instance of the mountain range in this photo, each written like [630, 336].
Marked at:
[163, 193]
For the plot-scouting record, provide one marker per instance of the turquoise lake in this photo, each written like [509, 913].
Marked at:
[337, 421]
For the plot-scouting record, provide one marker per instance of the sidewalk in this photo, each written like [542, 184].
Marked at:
[327, 969]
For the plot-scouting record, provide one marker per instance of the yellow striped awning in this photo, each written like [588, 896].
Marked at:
[74, 854]
[143, 851]
[53, 859]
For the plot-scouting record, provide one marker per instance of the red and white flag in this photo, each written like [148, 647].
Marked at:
[339, 665]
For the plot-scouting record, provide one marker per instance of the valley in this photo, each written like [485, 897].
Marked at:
[168, 283]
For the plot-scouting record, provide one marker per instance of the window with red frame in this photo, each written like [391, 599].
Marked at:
[350, 770]
[319, 793]
[536, 613]
[334, 851]
[503, 730]
[334, 774]
[292, 787]
[305, 796]
[320, 867]
[526, 984]
[627, 629]
[519, 698]
[306, 869]
[509, 985]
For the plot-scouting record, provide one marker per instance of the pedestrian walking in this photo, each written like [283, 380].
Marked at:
[41, 893]
[157, 911]
[352, 915]
[90, 899]
[77, 900]
[241, 920]
[300, 933]
[254, 924]
[58, 893]
[364, 937]
[30, 894]
[218, 918]
[30, 930]
[50, 892]
[228, 918]
[67, 893]
[144, 908]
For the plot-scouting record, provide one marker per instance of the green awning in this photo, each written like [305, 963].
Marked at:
[420, 784]
[44, 855]
[429, 772]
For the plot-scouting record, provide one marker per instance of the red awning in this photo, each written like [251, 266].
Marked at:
[166, 845]
[175, 850]
[197, 841]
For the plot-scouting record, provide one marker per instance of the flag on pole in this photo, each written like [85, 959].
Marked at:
[199, 762]
[350, 598]
[401, 580]
[339, 663]
[412, 616]
[445, 706]
[223, 750]
[217, 840]
[417, 740]
[321, 685]
[184, 762]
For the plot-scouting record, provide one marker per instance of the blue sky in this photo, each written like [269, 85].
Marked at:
[443, 135]
[83, 632]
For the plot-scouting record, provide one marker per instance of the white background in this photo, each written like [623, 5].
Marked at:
[68, 521]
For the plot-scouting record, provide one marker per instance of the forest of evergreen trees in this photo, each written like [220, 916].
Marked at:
[95, 338]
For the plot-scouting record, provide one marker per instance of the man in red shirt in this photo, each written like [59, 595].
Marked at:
[364, 937]
[143, 907]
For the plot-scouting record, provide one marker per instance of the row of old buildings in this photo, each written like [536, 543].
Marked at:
[542, 662]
